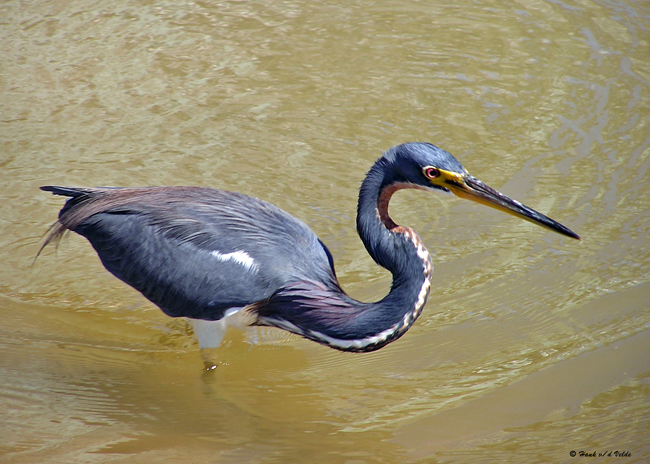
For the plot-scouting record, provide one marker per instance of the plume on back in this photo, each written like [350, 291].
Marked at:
[69, 216]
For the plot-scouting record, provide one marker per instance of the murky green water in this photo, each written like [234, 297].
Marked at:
[531, 345]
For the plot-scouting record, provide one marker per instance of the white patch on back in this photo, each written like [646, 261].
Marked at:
[239, 257]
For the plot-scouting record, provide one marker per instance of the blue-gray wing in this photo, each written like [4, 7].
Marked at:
[196, 252]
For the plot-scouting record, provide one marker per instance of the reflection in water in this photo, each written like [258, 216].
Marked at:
[530, 346]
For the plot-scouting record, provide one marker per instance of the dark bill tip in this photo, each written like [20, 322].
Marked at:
[475, 190]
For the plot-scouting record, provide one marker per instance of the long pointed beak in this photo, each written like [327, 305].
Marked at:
[469, 187]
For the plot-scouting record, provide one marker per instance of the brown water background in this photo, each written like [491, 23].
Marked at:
[532, 345]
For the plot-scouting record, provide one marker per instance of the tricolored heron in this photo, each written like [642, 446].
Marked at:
[222, 258]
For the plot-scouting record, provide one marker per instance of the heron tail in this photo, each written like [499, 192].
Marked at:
[76, 196]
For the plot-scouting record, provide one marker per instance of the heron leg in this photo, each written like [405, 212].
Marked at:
[210, 335]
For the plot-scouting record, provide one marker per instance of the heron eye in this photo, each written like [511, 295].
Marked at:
[431, 172]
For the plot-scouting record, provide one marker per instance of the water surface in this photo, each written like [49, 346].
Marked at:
[532, 345]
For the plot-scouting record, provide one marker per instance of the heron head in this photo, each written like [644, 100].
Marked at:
[426, 166]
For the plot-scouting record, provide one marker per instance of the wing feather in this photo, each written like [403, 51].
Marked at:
[179, 245]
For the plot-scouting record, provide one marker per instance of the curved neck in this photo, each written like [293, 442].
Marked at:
[394, 247]
[321, 311]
